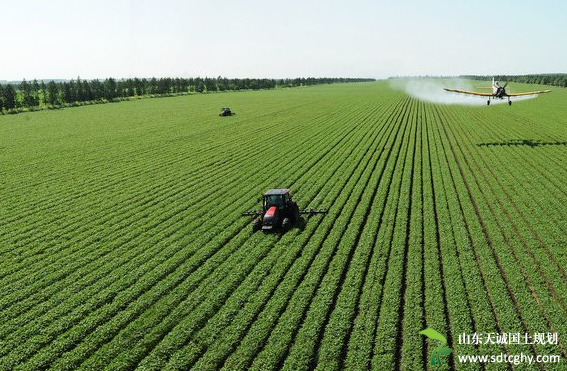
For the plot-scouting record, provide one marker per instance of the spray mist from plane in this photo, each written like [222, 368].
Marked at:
[432, 90]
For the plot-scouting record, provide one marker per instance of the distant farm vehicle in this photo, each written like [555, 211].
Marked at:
[279, 212]
[225, 111]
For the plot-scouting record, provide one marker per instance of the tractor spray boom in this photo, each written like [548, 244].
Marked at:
[310, 212]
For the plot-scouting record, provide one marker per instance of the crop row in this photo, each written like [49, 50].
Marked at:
[150, 241]
[131, 253]
[48, 350]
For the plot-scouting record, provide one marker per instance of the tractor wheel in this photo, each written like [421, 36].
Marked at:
[256, 225]
[294, 213]
[286, 224]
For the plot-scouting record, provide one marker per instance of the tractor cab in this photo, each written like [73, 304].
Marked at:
[276, 197]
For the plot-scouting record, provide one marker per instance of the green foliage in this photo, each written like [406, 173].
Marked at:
[9, 97]
[78, 92]
[554, 79]
[123, 247]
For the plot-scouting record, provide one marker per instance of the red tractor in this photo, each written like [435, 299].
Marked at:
[279, 211]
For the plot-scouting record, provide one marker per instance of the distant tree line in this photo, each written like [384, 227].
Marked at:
[32, 95]
[555, 79]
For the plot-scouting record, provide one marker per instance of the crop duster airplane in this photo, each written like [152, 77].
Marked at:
[497, 92]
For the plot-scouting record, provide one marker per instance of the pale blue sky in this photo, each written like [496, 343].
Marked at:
[260, 38]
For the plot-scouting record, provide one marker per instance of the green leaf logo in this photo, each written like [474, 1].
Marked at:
[442, 350]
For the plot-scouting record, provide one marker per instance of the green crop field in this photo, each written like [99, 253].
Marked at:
[122, 245]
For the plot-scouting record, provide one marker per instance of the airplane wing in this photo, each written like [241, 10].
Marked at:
[469, 92]
[528, 93]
